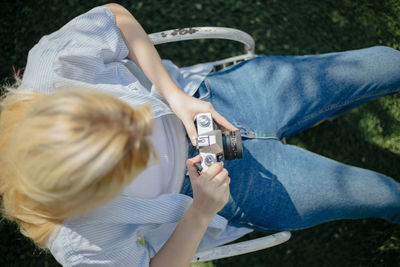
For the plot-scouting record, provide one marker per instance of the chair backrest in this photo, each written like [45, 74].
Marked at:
[195, 33]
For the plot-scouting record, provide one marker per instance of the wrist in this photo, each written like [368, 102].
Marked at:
[172, 93]
[201, 217]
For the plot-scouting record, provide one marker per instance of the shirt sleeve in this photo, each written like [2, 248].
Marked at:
[88, 49]
[100, 245]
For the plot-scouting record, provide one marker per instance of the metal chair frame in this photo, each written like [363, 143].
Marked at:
[248, 42]
[195, 33]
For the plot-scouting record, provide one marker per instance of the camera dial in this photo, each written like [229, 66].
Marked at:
[204, 121]
[209, 160]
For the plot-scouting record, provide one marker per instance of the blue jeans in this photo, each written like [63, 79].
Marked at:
[283, 187]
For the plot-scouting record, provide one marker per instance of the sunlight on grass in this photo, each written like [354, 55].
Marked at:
[381, 124]
[203, 264]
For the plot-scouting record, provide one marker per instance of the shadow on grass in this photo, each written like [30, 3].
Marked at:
[346, 140]
[12, 239]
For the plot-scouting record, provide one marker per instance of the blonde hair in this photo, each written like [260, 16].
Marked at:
[66, 153]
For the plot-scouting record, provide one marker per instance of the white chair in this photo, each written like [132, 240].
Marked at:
[216, 33]
[184, 34]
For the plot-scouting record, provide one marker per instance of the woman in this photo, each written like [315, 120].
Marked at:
[98, 177]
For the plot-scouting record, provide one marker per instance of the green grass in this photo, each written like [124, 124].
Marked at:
[367, 137]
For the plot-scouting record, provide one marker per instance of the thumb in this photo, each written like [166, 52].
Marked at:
[191, 131]
[191, 167]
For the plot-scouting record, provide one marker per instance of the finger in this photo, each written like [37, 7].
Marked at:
[221, 178]
[222, 121]
[225, 185]
[191, 167]
[191, 131]
[213, 170]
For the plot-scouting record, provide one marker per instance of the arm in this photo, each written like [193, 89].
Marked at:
[143, 53]
[210, 194]
[181, 246]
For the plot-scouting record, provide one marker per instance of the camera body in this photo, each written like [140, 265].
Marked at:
[215, 145]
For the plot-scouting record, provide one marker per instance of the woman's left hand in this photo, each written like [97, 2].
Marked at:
[187, 107]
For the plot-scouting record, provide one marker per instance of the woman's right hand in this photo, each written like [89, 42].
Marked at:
[210, 189]
[210, 194]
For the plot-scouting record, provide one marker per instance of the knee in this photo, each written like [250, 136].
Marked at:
[385, 63]
[385, 51]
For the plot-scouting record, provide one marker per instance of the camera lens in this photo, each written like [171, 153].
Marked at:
[232, 142]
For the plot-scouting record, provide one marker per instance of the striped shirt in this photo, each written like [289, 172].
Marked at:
[128, 231]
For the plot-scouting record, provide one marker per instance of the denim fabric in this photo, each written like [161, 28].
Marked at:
[283, 187]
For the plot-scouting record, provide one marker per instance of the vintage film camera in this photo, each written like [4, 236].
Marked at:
[216, 145]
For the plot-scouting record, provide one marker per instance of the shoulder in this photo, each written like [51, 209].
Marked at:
[93, 20]
[81, 49]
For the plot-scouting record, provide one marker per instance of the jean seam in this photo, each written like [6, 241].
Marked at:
[249, 133]
[338, 105]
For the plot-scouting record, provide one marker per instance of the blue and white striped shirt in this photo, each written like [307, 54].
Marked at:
[128, 231]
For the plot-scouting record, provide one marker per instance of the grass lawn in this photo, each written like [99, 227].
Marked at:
[368, 137]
